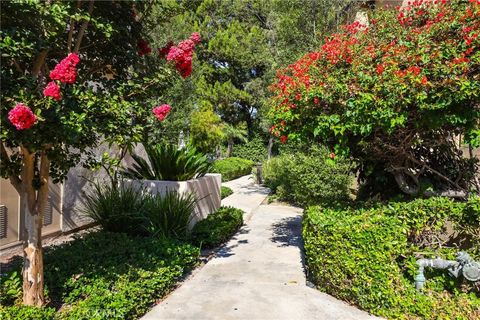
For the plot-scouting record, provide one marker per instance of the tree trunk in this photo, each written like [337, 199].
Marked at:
[230, 148]
[33, 203]
[33, 260]
[270, 147]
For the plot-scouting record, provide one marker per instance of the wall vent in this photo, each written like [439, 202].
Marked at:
[3, 221]
[48, 213]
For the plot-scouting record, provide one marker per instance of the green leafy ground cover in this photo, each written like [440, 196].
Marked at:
[367, 256]
[104, 275]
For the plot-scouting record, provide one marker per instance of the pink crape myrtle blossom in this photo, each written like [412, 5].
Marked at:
[195, 37]
[182, 54]
[52, 90]
[22, 117]
[162, 111]
[65, 70]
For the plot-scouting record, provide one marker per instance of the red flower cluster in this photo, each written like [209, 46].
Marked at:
[52, 90]
[65, 71]
[162, 52]
[283, 139]
[182, 54]
[143, 47]
[161, 112]
[338, 48]
[22, 117]
[380, 69]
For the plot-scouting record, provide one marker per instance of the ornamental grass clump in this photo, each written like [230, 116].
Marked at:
[127, 209]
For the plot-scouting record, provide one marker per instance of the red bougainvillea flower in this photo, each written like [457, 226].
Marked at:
[52, 90]
[65, 71]
[143, 47]
[162, 111]
[195, 37]
[424, 80]
[283, 139]
[380, 69]
[22, 117]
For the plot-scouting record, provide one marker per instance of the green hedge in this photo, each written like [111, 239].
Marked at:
[218, 227]
[225, 192]
[254, 149]
[367, 257]
[232, 168]
[308, 178]
[107, 275]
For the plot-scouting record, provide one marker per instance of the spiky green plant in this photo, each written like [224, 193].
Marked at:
[169, 215]
[167, 162]
[115, 208]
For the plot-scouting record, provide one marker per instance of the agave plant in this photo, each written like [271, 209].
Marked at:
[167, 162]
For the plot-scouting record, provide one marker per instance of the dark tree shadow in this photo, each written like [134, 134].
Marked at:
[225, 250]
[288, 232]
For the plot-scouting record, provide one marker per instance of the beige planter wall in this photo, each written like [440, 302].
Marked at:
[206, 190]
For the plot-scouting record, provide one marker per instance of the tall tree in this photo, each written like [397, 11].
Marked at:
[102, 87]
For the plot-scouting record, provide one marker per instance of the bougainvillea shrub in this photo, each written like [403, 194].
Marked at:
[397, 94]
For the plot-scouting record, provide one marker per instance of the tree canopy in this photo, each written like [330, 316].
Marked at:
[395, 94]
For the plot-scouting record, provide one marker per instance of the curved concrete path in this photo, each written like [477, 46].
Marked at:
[258, 274]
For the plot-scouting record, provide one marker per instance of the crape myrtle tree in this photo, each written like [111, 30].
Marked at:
[73, 73]
[398, 95]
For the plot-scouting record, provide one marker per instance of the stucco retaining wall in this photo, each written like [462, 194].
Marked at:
[205, 189]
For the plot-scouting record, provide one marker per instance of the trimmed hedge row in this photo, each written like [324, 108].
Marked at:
[367, 257]
[106, 275]
[309, 177]
[218, 227]
[232, 168]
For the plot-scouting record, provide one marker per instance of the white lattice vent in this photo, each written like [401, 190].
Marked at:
[48, 213]
[3, 221]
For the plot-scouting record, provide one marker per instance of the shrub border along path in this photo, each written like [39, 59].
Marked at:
[258, 274]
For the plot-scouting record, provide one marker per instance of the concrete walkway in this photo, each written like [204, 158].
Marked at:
[259, 274]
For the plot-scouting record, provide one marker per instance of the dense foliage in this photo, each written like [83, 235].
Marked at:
[225, 192]
[129, 210]
[366, 256]
[245, 41]
[206, 130]
[310, 177]
[218, 227]
[254, 149]
[398, 95]
[168, 162]
[232, 168]
[92, 281]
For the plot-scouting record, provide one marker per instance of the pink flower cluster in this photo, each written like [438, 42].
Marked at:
[22, 117]
[65, 71]
[162, 52]
[143, 47]
[52, 90]
[182, 54]
[161, 112]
